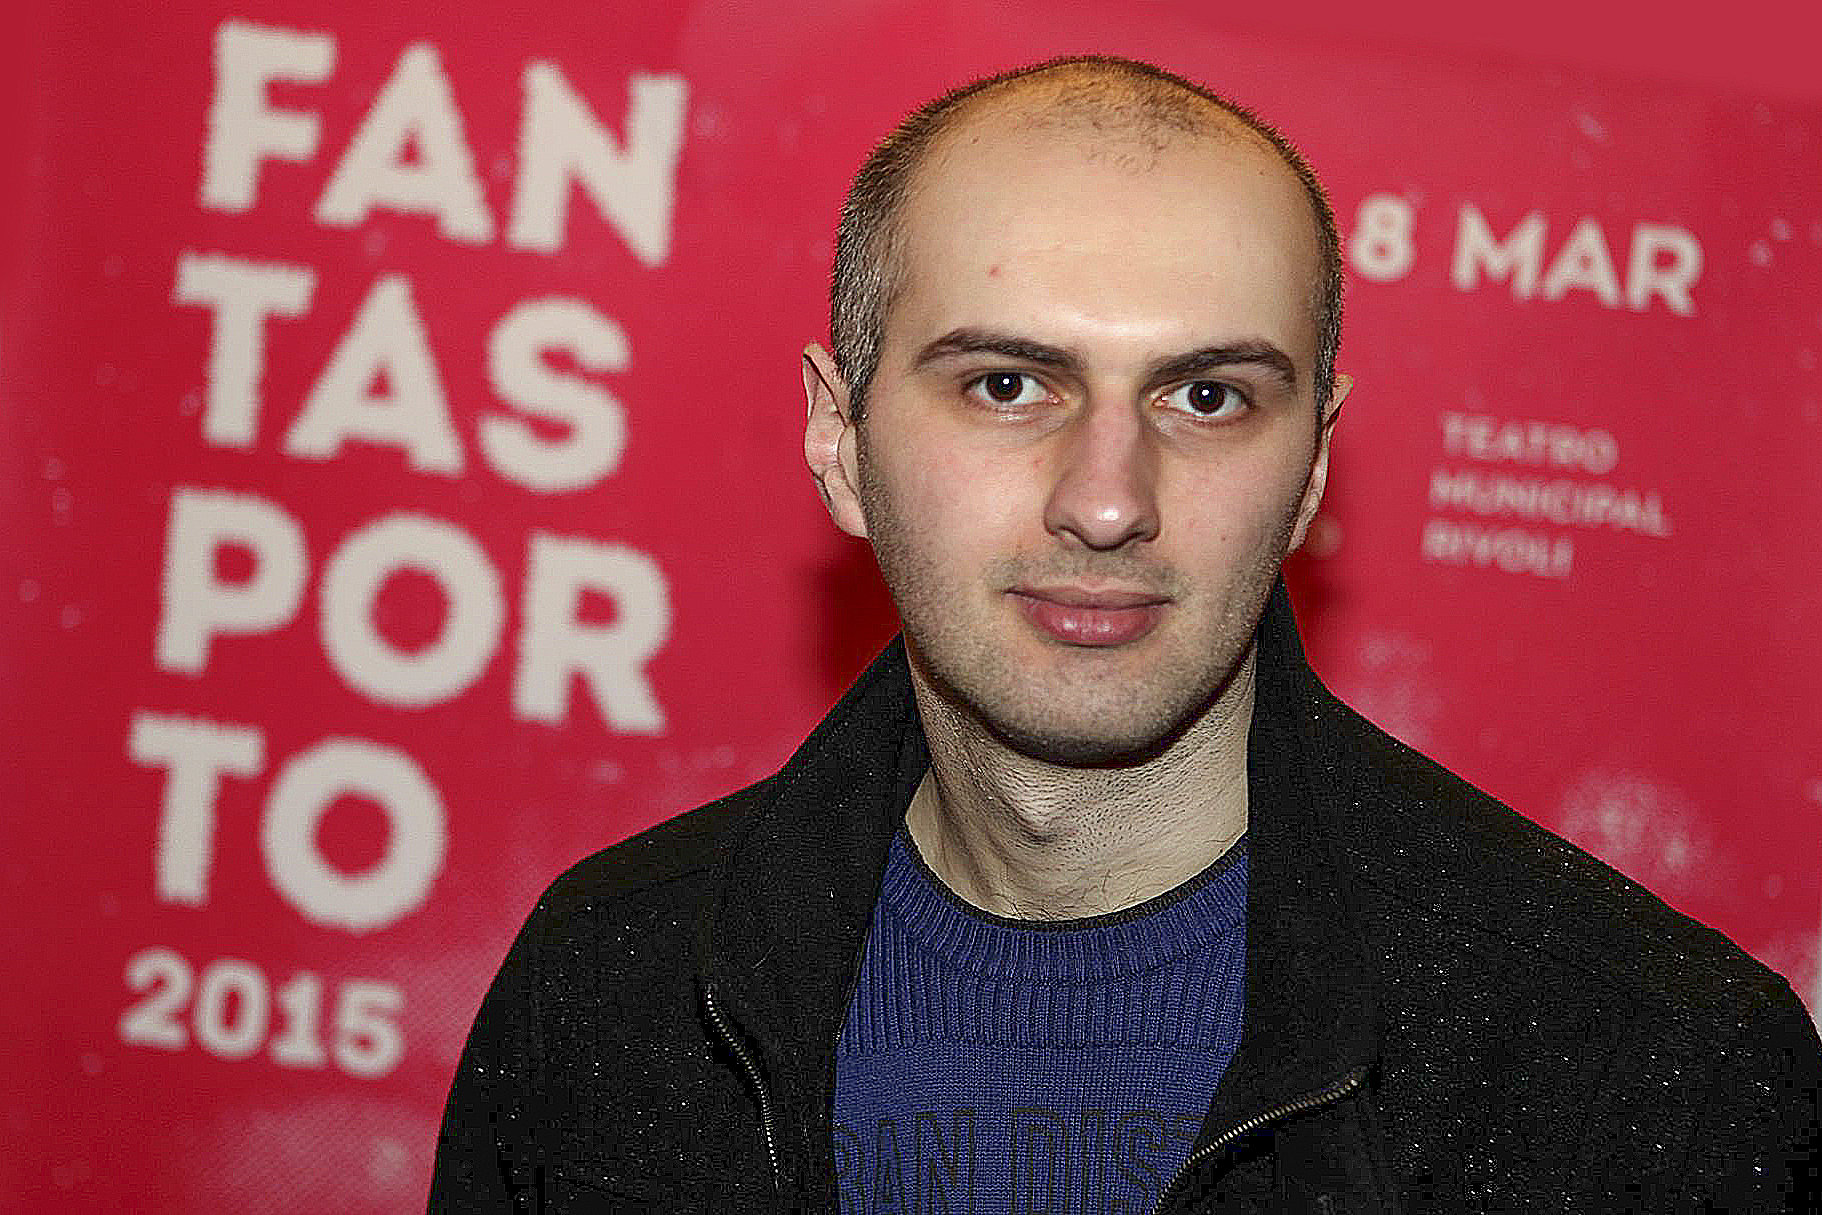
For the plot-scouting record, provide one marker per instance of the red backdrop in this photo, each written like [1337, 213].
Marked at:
[402, 500]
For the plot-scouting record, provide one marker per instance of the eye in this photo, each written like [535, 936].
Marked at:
[1001, 388]
[1207, 399]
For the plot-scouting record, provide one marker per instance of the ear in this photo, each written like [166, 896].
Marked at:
[830, 440]
[1319, 467]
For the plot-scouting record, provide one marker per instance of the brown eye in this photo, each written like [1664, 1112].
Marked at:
[1003, 386]
[1208, 398]
[1006, 388]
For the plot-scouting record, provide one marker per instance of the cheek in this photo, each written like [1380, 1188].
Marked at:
[952, 500]
[1241, 511]
[951, 521]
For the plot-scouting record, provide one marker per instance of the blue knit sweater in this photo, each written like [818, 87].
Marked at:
[991, 1065]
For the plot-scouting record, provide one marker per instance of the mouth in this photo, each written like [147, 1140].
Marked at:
[1096, 618]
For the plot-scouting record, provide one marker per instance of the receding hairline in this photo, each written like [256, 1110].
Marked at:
[1105, 98]
[1096, 104]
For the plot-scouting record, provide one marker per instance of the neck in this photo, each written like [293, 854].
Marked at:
[1029, 839]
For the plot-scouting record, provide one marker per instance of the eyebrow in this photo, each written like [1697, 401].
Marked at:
[1252, 351]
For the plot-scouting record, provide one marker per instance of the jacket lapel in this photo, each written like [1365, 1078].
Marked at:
[783, 942]
[1311, 1003]
[1312, 1010]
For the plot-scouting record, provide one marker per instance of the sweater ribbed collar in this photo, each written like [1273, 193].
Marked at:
[1090, 949]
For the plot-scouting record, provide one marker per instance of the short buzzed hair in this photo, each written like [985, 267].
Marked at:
[869, 247]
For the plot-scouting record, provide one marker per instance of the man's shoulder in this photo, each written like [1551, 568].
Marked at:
[669, 871]
[1440, 853]
[684, 849]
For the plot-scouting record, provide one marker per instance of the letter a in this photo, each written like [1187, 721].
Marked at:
[415, 108]
[387, 338]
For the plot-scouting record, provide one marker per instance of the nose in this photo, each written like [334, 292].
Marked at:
[1105, 492]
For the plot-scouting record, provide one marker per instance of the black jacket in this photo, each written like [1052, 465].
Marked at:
[1447, 1007]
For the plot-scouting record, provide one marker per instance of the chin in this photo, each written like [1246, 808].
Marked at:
[1083, 751]
[1108, 741]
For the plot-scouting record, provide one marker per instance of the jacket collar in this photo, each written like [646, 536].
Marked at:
[783, 939]
[1312, 1007]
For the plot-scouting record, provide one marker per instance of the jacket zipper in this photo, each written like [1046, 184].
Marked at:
[1296, 1105]
[750, 1066]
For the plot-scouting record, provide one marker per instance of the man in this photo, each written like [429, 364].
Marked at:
[1088, 896]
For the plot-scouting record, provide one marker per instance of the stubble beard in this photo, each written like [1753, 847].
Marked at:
[1089, 715]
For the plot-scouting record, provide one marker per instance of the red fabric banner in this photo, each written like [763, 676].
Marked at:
[403, 499]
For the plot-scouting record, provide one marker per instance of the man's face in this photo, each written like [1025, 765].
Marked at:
[1091, 435]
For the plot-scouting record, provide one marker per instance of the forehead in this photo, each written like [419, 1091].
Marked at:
[1023, 219]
